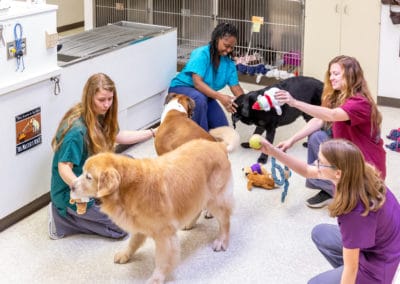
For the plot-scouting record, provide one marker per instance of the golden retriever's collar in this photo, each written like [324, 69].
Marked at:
[172, 105]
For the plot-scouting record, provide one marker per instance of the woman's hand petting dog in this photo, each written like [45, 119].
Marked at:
[284, 97]
[229, 103]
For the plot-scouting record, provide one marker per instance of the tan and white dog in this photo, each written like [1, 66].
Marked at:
[157, 197]
[177, 127]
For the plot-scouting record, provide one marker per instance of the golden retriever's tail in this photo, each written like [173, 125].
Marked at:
[228, 135]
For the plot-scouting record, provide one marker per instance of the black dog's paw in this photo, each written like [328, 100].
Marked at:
[262, 159]
[245, 145]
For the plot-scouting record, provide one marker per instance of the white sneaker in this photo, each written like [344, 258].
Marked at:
[52, 227]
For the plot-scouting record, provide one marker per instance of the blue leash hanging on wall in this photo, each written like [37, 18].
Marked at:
[284, 177]
[19, 52]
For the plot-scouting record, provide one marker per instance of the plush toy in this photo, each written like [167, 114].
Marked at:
[81, 203]
[267, 101]
[258, 176]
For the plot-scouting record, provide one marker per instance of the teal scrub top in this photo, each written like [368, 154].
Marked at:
[74, 150]
[200, 64]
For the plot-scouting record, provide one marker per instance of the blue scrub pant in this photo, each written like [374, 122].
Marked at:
[92, 222]
[207, 112]
[314, 141]
[328, 240]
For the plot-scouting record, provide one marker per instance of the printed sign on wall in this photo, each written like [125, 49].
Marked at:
[28, 129]
[257, 22]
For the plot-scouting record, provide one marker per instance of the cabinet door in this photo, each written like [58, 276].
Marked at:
[321, 35]
[360, 36]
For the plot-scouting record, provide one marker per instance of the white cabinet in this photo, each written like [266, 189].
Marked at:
[27, 106]
[31, 22]
[389, 63]
[348, 27]
[141, 72]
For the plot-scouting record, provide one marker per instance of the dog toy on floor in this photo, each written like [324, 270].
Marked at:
[255, 143]
[284, 177]
[258, 176]
[267, 101]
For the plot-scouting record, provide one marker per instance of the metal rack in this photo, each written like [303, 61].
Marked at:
[104, 39]
[281, 32]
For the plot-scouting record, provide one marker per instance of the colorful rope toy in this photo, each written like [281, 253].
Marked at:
[284, 177]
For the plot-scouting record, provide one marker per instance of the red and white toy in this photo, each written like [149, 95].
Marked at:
[267, 101]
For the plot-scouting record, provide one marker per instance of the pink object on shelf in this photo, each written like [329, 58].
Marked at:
[292, 58]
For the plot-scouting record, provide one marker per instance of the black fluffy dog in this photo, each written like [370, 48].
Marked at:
[302, 88]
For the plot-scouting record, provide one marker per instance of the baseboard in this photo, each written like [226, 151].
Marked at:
[70, 27]
[390, 102]
[24, 211]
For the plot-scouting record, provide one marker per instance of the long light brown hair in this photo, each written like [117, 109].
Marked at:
[101, 131]
[358, 181]
[354, 83]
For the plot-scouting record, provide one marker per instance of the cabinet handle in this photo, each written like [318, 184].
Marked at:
[337, 8]
[345, 10]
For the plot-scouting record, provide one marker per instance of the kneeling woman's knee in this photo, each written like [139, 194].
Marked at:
[201, 102]
[317, 233]
[318, 137]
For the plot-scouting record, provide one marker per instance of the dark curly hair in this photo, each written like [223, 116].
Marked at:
[220, 31]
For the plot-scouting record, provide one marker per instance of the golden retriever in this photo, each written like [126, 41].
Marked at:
[177, 127]
[157, 197]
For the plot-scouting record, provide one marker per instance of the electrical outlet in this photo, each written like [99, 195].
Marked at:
[11, 49]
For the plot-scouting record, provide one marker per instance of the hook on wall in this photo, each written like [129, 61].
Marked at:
[56, 80]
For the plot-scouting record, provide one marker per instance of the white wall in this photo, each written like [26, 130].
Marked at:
[389, 61]
[69, 11]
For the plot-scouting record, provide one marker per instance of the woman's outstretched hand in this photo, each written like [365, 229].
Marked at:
[284, 145]
[284, 97]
